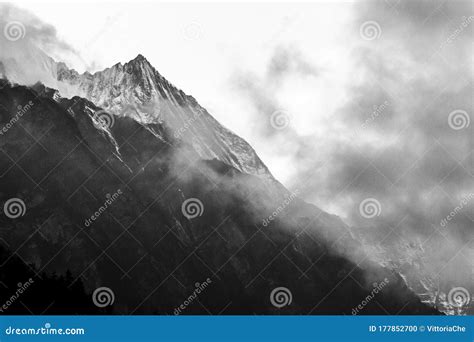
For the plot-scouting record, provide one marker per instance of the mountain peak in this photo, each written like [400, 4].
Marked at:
[140, 59]
[139, 66]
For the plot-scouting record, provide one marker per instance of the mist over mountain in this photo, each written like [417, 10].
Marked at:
[124, 182]
[143, 247]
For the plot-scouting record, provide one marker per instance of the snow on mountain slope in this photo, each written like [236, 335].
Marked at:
[407, 256]
[147, 235]
[27, 65]
[135, 89]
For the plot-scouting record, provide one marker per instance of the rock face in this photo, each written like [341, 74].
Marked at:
[138, 91]
[126, 204]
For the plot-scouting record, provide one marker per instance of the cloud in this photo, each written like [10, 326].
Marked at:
[27, 40]
[33, 30]
[286, 61]
[391, 138]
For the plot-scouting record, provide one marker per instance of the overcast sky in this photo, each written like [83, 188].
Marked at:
[204, 48]
[343, 101]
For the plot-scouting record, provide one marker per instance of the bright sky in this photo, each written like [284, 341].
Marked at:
[369, 89]
[200, 48]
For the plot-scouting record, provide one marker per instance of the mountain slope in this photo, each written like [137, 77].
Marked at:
[137, 90]
[64, 166]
